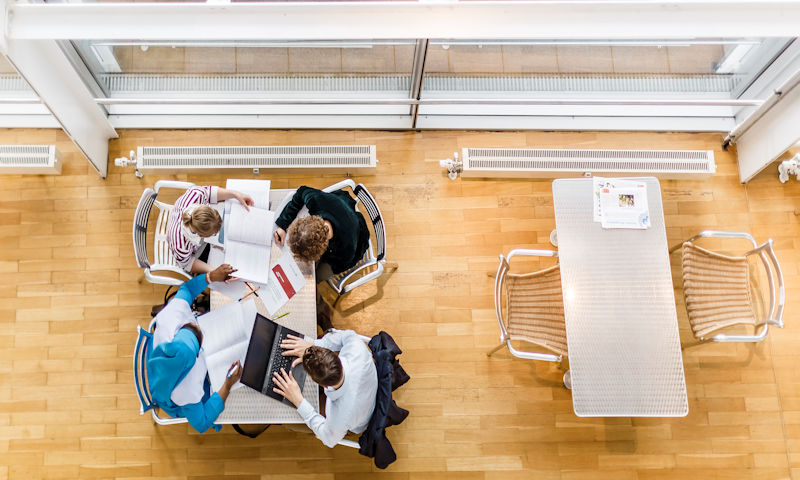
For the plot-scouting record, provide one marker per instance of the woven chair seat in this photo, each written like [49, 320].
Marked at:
[717, 290]
[536, 309]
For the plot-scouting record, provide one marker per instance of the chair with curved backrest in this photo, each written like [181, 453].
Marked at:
[371, 265]
[534, 310]
[163, 259]
[141, 352]
[718, 291]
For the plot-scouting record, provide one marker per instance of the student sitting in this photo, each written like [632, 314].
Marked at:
[192, 219]
[342, 365]
[334, 234]
[178, 382]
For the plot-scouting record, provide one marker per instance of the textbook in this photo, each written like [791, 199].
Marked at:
[226, 336]
[248, 240]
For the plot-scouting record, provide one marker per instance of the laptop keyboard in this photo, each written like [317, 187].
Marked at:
[278, 361]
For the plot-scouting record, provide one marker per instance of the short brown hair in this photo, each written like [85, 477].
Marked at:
[204, 220]
[308, 238]
[323, 366]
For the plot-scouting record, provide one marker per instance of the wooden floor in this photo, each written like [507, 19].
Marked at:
[72, 296]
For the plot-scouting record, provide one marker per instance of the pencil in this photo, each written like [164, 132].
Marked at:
[282, 315]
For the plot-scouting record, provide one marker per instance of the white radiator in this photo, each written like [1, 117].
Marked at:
[202, 159]
[544, 163]
[33, 159]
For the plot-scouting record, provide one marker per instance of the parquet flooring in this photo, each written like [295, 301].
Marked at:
[71, 297]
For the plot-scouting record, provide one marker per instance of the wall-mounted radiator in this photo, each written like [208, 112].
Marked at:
[208, 159]
[33, 159]
[544, 163]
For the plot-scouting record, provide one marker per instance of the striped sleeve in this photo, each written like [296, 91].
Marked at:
[181, 248]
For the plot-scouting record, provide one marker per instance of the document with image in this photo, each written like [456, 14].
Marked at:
[226, 335]
[248, 239]
[285, 280]
[624, 206]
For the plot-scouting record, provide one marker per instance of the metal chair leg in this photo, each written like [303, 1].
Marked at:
[502, 344]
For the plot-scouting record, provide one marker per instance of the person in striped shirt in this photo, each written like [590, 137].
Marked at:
[192, 219]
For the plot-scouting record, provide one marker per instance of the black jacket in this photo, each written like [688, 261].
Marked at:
[373, 441]
[350, 233]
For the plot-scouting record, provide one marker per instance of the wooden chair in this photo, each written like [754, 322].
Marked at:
[534, 310]
[718, 291]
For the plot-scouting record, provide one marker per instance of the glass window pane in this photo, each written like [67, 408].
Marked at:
[602, 68]
[240, 69]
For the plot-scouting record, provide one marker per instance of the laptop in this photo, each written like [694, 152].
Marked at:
[264, 358]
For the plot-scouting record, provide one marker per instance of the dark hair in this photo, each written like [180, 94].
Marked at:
[308, 238]
[323, 365]
[196, 330]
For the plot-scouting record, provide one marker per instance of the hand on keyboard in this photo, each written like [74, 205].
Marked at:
[286, 385]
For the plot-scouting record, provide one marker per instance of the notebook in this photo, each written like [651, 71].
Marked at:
[264, 358]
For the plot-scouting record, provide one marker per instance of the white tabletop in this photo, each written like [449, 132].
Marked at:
[622, 327]
[245, 405]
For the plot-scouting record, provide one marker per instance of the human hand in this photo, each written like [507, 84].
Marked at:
[280, 235]
[221, 273]
[287, 386]
[234, 374]
[294, 346]
[245, 200]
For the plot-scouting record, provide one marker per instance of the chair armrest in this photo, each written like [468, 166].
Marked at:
[348, 443]
[720, 234]
[531, 252]
[723, 338]
[172, 184]
[338, 186]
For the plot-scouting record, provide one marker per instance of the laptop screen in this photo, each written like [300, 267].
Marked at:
[257, 358]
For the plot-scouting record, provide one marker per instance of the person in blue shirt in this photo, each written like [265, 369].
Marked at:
[177, 376]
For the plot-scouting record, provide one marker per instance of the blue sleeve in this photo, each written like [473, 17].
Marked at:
[201, 415]
[192, 288]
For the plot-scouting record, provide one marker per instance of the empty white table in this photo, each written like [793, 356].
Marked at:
[622, 327]
[245, 405]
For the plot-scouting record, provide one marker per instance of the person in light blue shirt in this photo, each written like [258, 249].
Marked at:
[176, 374]
[341, 363]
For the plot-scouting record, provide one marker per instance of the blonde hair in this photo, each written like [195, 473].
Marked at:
[308, 238]
[204, 220]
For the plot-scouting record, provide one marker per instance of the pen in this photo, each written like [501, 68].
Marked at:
[282, 315]
[231, 370]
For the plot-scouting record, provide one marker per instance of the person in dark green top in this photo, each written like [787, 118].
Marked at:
[333, 234]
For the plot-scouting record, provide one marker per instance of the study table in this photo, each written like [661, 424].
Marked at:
[622, 327]
[245, 405]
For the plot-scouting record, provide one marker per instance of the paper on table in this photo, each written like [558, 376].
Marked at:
[226, 335]
[257, 189]
[285, 279]
[625, 207]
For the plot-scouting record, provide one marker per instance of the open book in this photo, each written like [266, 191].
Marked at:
[248, 239]
[226, 335]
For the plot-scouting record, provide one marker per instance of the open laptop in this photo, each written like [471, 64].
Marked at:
[264, 358]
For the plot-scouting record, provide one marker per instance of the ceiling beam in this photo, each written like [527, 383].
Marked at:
[407, 20]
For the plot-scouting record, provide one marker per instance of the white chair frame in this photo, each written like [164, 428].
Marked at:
[163, 258]
[140, 378]
[499, 281]
[767, 256]
[340, 282]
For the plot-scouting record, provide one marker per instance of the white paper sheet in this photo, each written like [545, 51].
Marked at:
[620, 203]
[226, 336]
[257, 189]
[285, 280]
